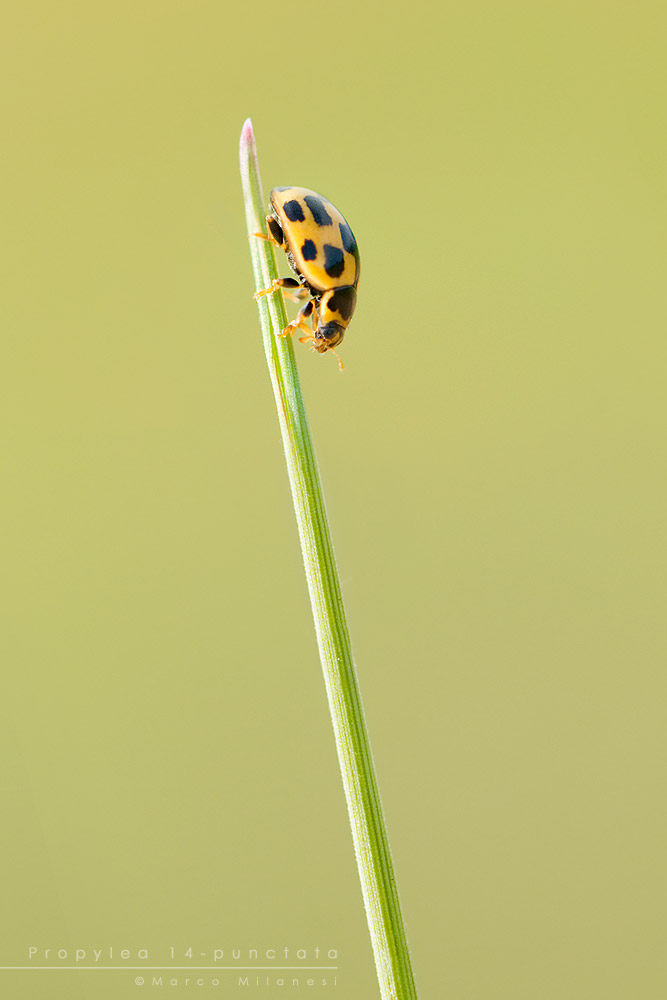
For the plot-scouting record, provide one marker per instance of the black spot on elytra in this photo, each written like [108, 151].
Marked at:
[343, 302]
[334, 261]
[293, 211]
[309, 250]
[320, 214]
[349, 242]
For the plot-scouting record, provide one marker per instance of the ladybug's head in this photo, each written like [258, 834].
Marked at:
[328, 336]
[325, 338]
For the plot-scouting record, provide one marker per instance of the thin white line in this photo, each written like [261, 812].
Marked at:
[176, 968]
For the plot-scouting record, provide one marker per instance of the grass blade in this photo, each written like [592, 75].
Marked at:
[378, 885]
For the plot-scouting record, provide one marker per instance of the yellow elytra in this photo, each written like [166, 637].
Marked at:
[322, 252]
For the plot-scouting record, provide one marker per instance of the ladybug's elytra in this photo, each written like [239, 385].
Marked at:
[322, 252]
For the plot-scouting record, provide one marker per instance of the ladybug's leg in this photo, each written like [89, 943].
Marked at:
[300, 322]
[275, 233]
[278, 283]
[303, 293]
[296, 296]
[269, 239]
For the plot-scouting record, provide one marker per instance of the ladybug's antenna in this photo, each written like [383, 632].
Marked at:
[341, 366]
[311, 340]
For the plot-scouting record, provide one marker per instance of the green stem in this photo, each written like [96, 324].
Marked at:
[371, 845]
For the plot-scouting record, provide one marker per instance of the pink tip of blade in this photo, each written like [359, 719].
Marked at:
[247, 134]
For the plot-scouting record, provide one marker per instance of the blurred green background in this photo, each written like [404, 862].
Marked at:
[493, 459]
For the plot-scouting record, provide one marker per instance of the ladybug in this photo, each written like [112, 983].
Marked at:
[322, 252]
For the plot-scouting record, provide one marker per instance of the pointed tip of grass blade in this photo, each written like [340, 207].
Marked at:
[247, 132]
[247, 137]
[250, 171]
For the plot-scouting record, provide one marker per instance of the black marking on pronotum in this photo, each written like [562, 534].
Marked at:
[276, 231]
[334, 260]
[282, 189]
[343, 301]
[349, 242]
[308, 250]
[293, 211]
[320, 214]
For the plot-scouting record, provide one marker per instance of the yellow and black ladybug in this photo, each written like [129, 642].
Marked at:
[322, 252]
